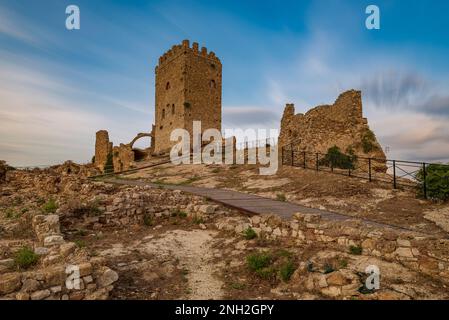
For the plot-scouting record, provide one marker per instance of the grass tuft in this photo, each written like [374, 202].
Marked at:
[25, 258]
[355, 250]
[249, 233]
[50, 206]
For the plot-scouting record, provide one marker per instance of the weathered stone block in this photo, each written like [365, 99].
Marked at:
[40, 295]
[107, 278]
[53, 240]
[9, 282]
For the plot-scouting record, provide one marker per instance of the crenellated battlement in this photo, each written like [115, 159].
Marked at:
[184, 48]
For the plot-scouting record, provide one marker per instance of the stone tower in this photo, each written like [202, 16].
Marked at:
[188, 88]
[102, 148]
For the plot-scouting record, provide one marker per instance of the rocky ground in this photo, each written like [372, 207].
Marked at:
[152, 243]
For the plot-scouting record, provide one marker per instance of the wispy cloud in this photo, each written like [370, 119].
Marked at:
[10, 27]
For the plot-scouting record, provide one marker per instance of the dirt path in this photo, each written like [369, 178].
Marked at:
[193, 249]
[259, 205]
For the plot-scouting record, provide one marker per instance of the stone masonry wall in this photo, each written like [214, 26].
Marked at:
[341, 124]
[414, 251]
[49, 282]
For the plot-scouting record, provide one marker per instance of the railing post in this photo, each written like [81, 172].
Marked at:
[317, 163]
[304, 156]
[394, 174]
[424, 175]
[291, 147]
[369, 169]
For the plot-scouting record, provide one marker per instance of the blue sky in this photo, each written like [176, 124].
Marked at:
[57, 87]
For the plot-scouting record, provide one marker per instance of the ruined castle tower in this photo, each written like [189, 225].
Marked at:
[188, 88]
[341, 124]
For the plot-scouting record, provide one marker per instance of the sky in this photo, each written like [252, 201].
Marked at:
[59, 86]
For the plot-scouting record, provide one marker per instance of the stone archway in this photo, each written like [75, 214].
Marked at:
[139, 135]
[139, 154]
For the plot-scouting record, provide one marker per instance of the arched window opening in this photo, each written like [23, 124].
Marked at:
[167, 86]
[212, 84]
[172, 109]
[163, 113]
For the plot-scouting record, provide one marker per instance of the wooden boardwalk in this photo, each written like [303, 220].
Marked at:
[257, 205]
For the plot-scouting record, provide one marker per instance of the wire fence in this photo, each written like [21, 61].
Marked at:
[398, 173]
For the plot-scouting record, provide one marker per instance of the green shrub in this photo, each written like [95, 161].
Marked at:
[328, 268]
[80, 243]
[109, 164]
[249, 233]
[266, 273]
[281, 197]
[11, 214]
[50, 206]
[343, 263]
[259, 260]
[148, 220]
[178, 213]
[355, 250]
[368, 140]
[336, 159]
[437, 182]
[25, 258]
[286, 270]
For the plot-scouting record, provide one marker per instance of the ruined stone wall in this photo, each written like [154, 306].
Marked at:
[48, 282]
[340, 124]
[389, 246]
[188, 88]
[102, 148]
[123, 157]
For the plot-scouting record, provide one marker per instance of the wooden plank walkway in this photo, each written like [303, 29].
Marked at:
[258, 205]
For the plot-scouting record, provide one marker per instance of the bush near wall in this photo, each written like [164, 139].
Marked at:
[437, 182]
[109, 165]
[336, 159]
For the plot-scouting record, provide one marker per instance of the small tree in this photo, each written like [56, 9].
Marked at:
[437, 182]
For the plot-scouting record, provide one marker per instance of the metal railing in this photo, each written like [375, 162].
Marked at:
[398, 173]
[256, 143]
